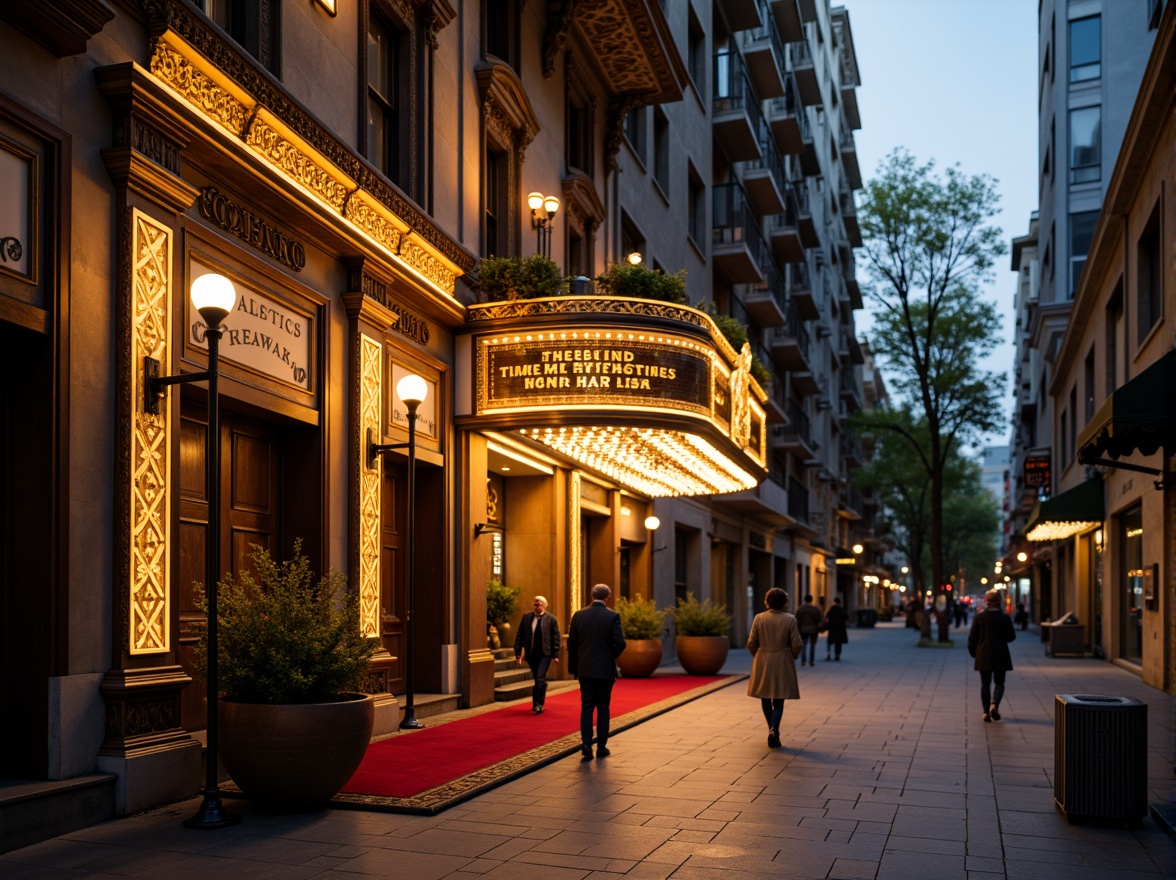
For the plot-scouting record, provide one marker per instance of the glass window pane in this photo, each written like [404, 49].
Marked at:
[1085, 144]
[1085, 49]
[1082, 231]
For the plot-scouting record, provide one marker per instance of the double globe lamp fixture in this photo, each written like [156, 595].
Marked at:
[543, 211]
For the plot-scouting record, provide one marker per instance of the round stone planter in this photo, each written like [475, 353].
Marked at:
[294, 756]
[640, 658]
[702, 655]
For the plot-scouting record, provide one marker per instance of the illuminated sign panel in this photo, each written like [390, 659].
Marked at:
[559, 370]
[1037, 471]
[648, 394]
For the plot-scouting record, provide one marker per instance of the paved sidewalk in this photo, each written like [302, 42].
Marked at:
[887, 771]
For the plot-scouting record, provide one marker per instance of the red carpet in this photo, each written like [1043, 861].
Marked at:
[430, 769]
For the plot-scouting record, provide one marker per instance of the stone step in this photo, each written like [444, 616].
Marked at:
[512, 675]
[522, 690]
[34, 811]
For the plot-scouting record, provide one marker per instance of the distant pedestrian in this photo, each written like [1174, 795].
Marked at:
[988, 642]
[538, 638]
[775, 643]
[594, 643]
[808, 618]
[835, 629]
[960, 612]
[1021, 618]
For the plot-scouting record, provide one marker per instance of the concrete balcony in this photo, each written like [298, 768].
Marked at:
[736, 109]
[783, 116]
[764, 179]
[788, 21]
[800, 290]
[784, 233]
[800, 62]
[808, 10]
[737, 245]
[849, 158]
[763, 51]
[767, 501]
[790, 343]
[805, 383]
[767, 303]
[804, 216]
[849, 218]
[851, 392]
[741, 14]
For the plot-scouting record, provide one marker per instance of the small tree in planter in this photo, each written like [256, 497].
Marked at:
[533, 277]
[291, 659]
[702, 642]
[736, 334]
[642, 623]
[501, 604]
[640, 282]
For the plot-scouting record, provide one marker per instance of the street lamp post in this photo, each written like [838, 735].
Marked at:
[543, 225]
[411, 390]
[213, 296]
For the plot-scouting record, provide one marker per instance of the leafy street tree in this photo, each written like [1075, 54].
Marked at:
[929, 246]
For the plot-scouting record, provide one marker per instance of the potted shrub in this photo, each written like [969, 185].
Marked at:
[501, 605]
[702, 640]
[533, 277]
[736, 334]
[641, 624]
[639, 282]
[294, 725]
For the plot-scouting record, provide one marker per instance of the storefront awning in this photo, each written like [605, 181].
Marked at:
[1138, 416]
[1065, 515]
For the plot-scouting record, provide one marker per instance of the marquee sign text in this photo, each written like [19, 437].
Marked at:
[250, 228]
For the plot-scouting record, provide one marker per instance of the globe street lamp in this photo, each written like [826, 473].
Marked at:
[213, 296]
[412, 390]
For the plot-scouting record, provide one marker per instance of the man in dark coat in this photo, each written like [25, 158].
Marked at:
[594, 643]
[835, 629]
[988, 642]
[538, 637]
[808, 619]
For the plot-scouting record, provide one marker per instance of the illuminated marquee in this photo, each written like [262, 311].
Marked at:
[663, 406]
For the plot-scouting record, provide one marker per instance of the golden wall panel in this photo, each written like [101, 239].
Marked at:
[575, 548]
[150, 441]
[370, 365]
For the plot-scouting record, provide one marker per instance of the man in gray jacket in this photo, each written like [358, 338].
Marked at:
[808, 620]
[594, 643]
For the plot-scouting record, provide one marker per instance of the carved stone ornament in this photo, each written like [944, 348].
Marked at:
[505, 104]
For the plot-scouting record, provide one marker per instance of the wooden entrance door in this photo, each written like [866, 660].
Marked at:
[393, 567]
[251, 456]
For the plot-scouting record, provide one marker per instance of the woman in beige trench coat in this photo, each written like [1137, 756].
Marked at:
[775, 643]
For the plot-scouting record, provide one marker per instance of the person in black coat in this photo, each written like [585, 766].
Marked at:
[594, 643]
[988, 642]
[538, 638]
[836, 633]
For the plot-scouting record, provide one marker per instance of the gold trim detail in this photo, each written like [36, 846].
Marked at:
[285, 155]
[151, 443]
[418, 259]
[575, 551]
[371, 371]
[198, 89]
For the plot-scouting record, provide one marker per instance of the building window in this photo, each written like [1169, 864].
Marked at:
[1072, 437]
[1114, 337]
[252, 24]
[1154, 9]
[1085, 145]
[1088, 384]
[1085, 49]
[1063, 436]
[697, 208]
[696, 53]
[579, 136]
[1150, 290]
[500, 32]
[383, 98]
[1082, 226]
[1131, 584]
[661, 151]
[495, 226]
[681, 564]
[635, 132]
[632, 241]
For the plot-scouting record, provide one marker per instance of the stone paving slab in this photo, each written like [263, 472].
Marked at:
[887, 771]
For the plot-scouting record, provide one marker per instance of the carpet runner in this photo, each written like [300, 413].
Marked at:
[430, 770]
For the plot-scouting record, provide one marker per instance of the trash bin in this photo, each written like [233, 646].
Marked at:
[1065, 638]
[866, 617]
[1100, 757]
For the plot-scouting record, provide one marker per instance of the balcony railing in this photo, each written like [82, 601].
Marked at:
[738, 243]
[798, 500]
[733, 89]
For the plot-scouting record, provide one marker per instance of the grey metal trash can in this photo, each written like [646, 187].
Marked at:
[1100, 757]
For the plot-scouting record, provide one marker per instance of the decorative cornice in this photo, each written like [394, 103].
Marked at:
[505, 102]
[61, 26]
[581, 198]
[230, 88]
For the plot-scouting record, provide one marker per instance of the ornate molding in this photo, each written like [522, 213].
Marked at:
[618, 109]
[559, 24]
[150, 441]
[61, 26]
[371, 362]
[291, 158]
[583, 201]
[505, 103]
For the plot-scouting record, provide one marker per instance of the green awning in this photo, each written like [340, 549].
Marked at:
[1065, 515]
[1140, 415]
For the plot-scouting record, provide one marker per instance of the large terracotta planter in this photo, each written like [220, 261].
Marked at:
[295, 756]
[640, 657]
[702, 655]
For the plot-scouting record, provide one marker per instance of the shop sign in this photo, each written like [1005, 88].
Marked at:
[250, 228]
[567, 369]
[262, 334]
[1037, 471]
[15, 212]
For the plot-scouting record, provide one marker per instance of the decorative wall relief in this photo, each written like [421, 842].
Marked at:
[370, 365]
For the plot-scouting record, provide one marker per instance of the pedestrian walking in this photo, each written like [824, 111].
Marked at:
[1021, 618]
[808, 618]
[538, 639]
[775, 643]
[988, 642]
[594, 643]
[960, 613]
[835, 629]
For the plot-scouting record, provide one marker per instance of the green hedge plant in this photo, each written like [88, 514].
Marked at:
[694, 618]
[641, 282]
[533, 277]
[640, 617]
[501, 602]
[284, 638]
